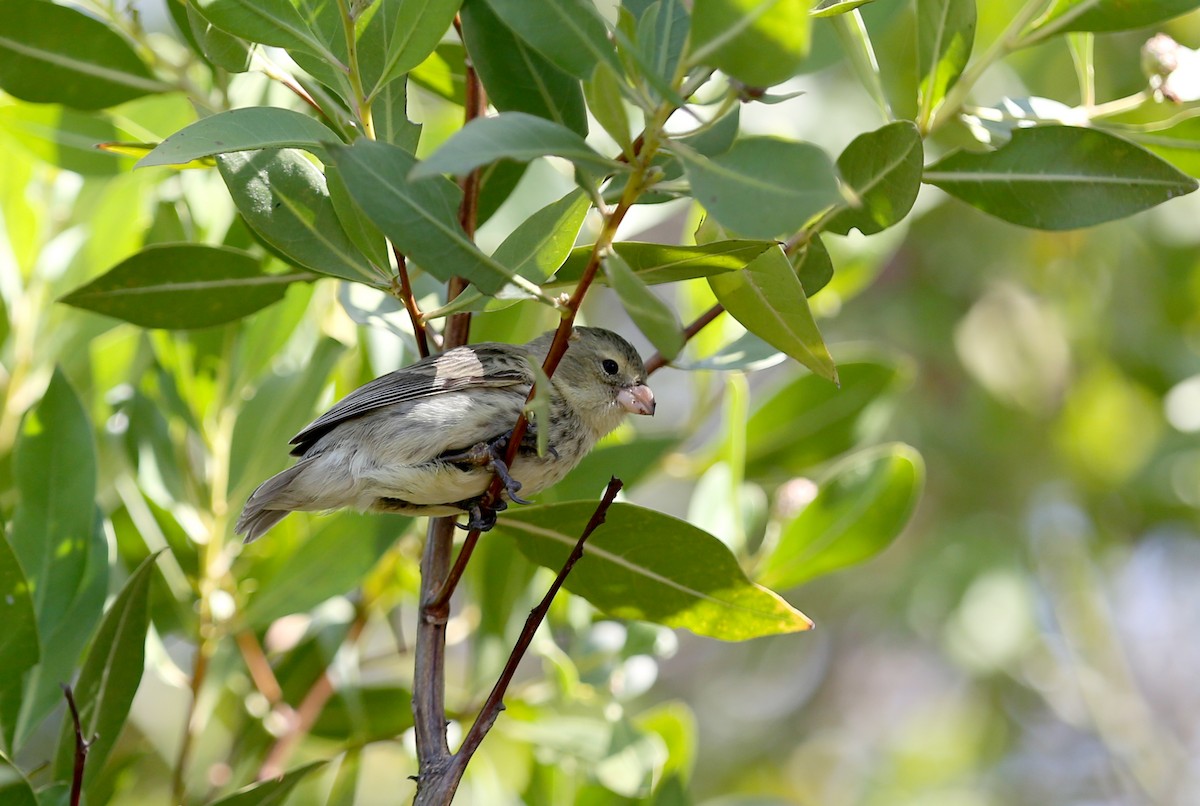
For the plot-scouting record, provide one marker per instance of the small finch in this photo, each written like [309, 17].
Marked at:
[429, 438]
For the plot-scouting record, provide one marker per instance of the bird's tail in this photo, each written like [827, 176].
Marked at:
[267, 505]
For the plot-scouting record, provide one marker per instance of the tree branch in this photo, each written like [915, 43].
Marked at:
[656, 362]
[405, 293]
[81, 748]
[447, 782]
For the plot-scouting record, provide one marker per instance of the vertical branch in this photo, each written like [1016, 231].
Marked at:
[494, 703]
[429, 670]
[405, 293]
[81, 748]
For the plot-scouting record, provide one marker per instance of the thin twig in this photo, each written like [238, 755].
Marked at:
[656, 362]
[81, 748]
[259, 667]
[405, 292]
[494, 704]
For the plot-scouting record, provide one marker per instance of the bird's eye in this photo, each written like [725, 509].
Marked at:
[609, 366]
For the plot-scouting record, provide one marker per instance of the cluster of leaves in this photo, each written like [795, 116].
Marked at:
[337, 190]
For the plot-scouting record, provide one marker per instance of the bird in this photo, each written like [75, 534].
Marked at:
[429, 438]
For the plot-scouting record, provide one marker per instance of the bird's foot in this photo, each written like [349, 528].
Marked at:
[482, 518]
[491, 456]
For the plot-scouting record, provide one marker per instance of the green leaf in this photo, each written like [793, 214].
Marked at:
[1060, 177]
[662, 34]
[19, 650]
[657, 263]
[55, 468]
[1109, 15]
[271, 22]
[55, 54]
[444, 73]
[365, 714]
[14, 789]
[245, 129]
[628, 461]
[330, 563]
[539, 245]
[945, 34]
[684, 577]
[62, 641]
[417, 27]
[182, 286]
[63, 137]
[420, 217]
[517, 77]
[285, 199]
[831, 8]
[570, 33]
[862, 505]
[510, 135]
[345, 785]
[813, 266]
[389, 112]
[1178, 143]
[763, 186]
[759, 42]
[883, 169]
[281, 406]
[653, 317]
[109, 677]
[222, 49]
[606, 102]
[767, 298]
[269, 793]
[808, 421]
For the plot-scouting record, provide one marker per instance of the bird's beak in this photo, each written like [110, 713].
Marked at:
[637, 399]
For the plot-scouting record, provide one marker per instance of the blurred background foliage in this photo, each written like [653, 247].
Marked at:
[1029, 639]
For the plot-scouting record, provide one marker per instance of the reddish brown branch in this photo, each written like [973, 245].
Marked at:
[656, 362]
[259, 667]
[81, 748]
[406, 295]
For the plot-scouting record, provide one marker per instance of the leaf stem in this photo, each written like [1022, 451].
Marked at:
[353, 71]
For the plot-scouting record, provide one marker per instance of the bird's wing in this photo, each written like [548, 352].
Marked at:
[478, 366]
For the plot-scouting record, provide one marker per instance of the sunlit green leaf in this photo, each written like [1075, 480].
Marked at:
[883, 169]
[759, 42]
[64, 137]
[110, 676]
[285, 199]
[366, 714]
[444, 71]
[862, 504]
[767, 298]
[814, 267]
[55, 54]
[684, 577]
[245, 129]
[1060, 177]
[19, 639]
[180, 286]
[762, 187]
[510, 135]
[945, 34]
[1178, 143]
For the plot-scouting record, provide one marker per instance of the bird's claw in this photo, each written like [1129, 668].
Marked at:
[491, 456]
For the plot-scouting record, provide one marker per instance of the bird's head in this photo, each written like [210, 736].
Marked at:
[603, 378]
